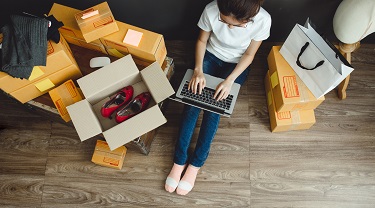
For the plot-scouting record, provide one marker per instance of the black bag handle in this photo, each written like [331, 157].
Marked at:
[300, 54]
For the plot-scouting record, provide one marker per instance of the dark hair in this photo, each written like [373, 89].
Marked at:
[241, 10]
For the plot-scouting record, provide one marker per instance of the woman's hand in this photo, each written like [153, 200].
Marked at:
[197, 82]
[223, 89]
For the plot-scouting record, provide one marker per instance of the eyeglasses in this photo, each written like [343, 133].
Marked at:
[244, 25]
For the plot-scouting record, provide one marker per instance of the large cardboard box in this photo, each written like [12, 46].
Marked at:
[290, 93]
[82, 43]
[99, 85]
[99, 25]
[61, 66]
[105, 157]
[286, 120]
[42, 86]
[151, 47]
[70, 30]
[65, 95]
[59, 56]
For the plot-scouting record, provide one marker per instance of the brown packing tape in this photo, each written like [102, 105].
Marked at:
[269, 98]
[304, 97]
[119, 47]
[296, 120]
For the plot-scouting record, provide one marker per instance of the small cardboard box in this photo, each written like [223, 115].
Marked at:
[99, 85]
[42, 86]
[105, 157]
[151, 47]
[290, 93]
[59, 56]
[99, 25]
[287, 120]
[70, 29]
[65, 95]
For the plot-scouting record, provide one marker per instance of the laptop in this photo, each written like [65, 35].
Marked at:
[205, 100]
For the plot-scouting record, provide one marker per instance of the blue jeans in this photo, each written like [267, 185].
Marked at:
[216, 67]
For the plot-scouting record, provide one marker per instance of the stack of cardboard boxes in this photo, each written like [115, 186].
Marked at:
[89, 33]
[138, 49]
[61, 66]
[290, 103]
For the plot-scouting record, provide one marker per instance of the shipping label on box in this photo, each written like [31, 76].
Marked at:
[150, 48]
[105, 157]
[289, 91]
[286, 120]
[96, 26]
[107, 81]
[65, 95]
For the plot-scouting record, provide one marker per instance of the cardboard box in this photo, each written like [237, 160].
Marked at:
[287, 120]
[42, 86]
[98, 25]
[99, 85]
[150, 49]
[65, 95]
[70, 29]
[288, 89]
[59, 56]
[82, 43]
[105, 157]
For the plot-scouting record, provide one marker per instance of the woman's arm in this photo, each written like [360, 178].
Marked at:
[198, 82]
[223, 89]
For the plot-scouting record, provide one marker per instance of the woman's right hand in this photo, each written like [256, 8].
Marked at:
[197, 82]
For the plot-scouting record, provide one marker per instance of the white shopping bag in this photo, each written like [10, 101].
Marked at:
[315, 60]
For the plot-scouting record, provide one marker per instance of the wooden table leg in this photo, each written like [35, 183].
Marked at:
[346, 50]
[341, 89]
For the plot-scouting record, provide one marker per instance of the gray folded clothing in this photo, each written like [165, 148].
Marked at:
[24, 45]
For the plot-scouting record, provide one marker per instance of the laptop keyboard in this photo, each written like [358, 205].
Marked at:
[206, 97]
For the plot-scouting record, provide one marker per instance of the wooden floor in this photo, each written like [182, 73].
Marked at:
[44, 164]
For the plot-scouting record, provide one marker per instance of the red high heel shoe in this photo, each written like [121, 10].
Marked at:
[138, 105]
[121, 98]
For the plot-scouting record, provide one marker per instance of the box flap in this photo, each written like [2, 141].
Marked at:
[102, 146]
[108, 79]
[157, 82]
[84, 119]
[134, 127]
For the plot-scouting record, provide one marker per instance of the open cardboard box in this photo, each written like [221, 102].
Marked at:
[99, 85]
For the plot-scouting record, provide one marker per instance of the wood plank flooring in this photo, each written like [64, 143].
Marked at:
[44, 164]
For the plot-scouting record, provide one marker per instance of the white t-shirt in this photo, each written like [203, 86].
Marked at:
[229, 44]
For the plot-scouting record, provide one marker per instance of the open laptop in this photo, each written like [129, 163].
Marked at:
[205, 100]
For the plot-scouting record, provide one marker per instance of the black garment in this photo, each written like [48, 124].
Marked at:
[24, 45]
[53, 32]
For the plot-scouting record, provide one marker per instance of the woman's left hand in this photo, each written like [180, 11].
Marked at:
[223, 89]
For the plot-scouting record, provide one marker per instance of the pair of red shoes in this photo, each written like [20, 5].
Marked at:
[121, 103]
